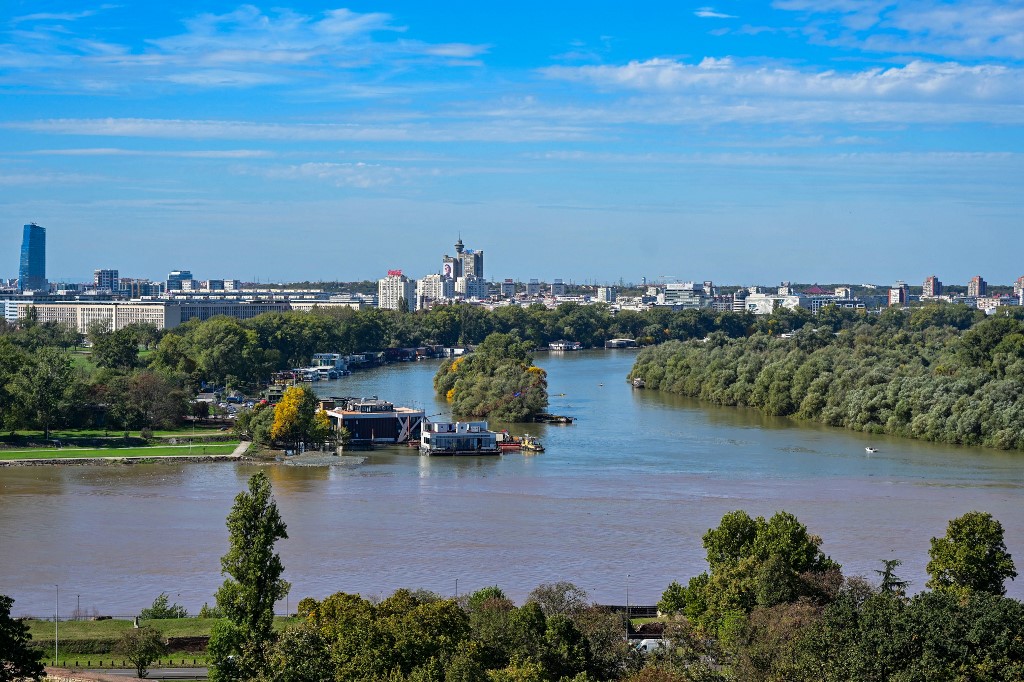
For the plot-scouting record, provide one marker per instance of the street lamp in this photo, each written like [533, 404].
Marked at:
[627, 607]
[56, 620]
[78, 607]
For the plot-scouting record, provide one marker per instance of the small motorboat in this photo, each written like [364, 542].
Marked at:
[870, 450]
[531, 444]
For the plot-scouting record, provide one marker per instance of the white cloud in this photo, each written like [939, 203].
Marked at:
[975, 28]
[359, 175]
[710, 13]
[28, 179]
[53, 16]
[508, 130]
[917, 80]
[223, 78]
[243, 48]
[196, 154]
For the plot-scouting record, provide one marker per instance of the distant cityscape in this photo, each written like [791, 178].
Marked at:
[119, 301]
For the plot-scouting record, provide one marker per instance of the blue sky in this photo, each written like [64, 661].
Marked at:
[745, 142]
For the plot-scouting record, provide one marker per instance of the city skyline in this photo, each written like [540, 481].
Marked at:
[334, 141]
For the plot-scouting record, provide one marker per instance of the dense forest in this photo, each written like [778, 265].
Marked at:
[498, 380]
[941, 373]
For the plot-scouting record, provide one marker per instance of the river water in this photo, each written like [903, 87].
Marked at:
[618, 502]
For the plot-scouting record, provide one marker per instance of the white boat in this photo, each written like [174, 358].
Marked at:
[870, 451]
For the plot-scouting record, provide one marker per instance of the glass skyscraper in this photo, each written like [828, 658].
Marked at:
[32, 273]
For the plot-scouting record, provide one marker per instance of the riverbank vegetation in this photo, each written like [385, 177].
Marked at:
[940, 373]
[498, 380]
[141, 379]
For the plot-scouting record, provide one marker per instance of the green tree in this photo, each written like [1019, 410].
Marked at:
[162, 608]
[971, 556]
[115, 350]
[565, 652]
[254, 584]
[561, 598]
[301, 654]
[19, 660]
[757, 563]
[673, 599]
[46, 388]
[890, 582]
[141, 647]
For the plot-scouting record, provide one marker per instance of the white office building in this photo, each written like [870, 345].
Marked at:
[682, 295]
[394, 289]
[433, 288]
[472, 287]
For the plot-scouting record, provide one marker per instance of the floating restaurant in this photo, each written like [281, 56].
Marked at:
[372, 421]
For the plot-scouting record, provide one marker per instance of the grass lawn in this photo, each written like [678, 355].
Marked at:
[82, 359]
[155, 451]
[71, 434]
[71, 632]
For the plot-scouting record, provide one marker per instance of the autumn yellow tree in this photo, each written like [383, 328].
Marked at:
[299, 419]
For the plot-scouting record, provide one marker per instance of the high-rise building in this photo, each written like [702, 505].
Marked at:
[106, 279]
[396, 289]
[1018, 286]
[472, 263]
[683, 295]
[606, 294]
[898, 293]
[558, 288]
[533, 288]
[977, 286]
[465, 262]
[32, 272]
[433, 288]
[932, 287]
[176, 280]
[508, 288]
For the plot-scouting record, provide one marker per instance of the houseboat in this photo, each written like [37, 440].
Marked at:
[458, 438]
[562, 344]
[372, 421]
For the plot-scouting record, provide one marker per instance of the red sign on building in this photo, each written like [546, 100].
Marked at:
[394, 273]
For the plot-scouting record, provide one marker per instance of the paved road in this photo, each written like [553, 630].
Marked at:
[158, 673]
